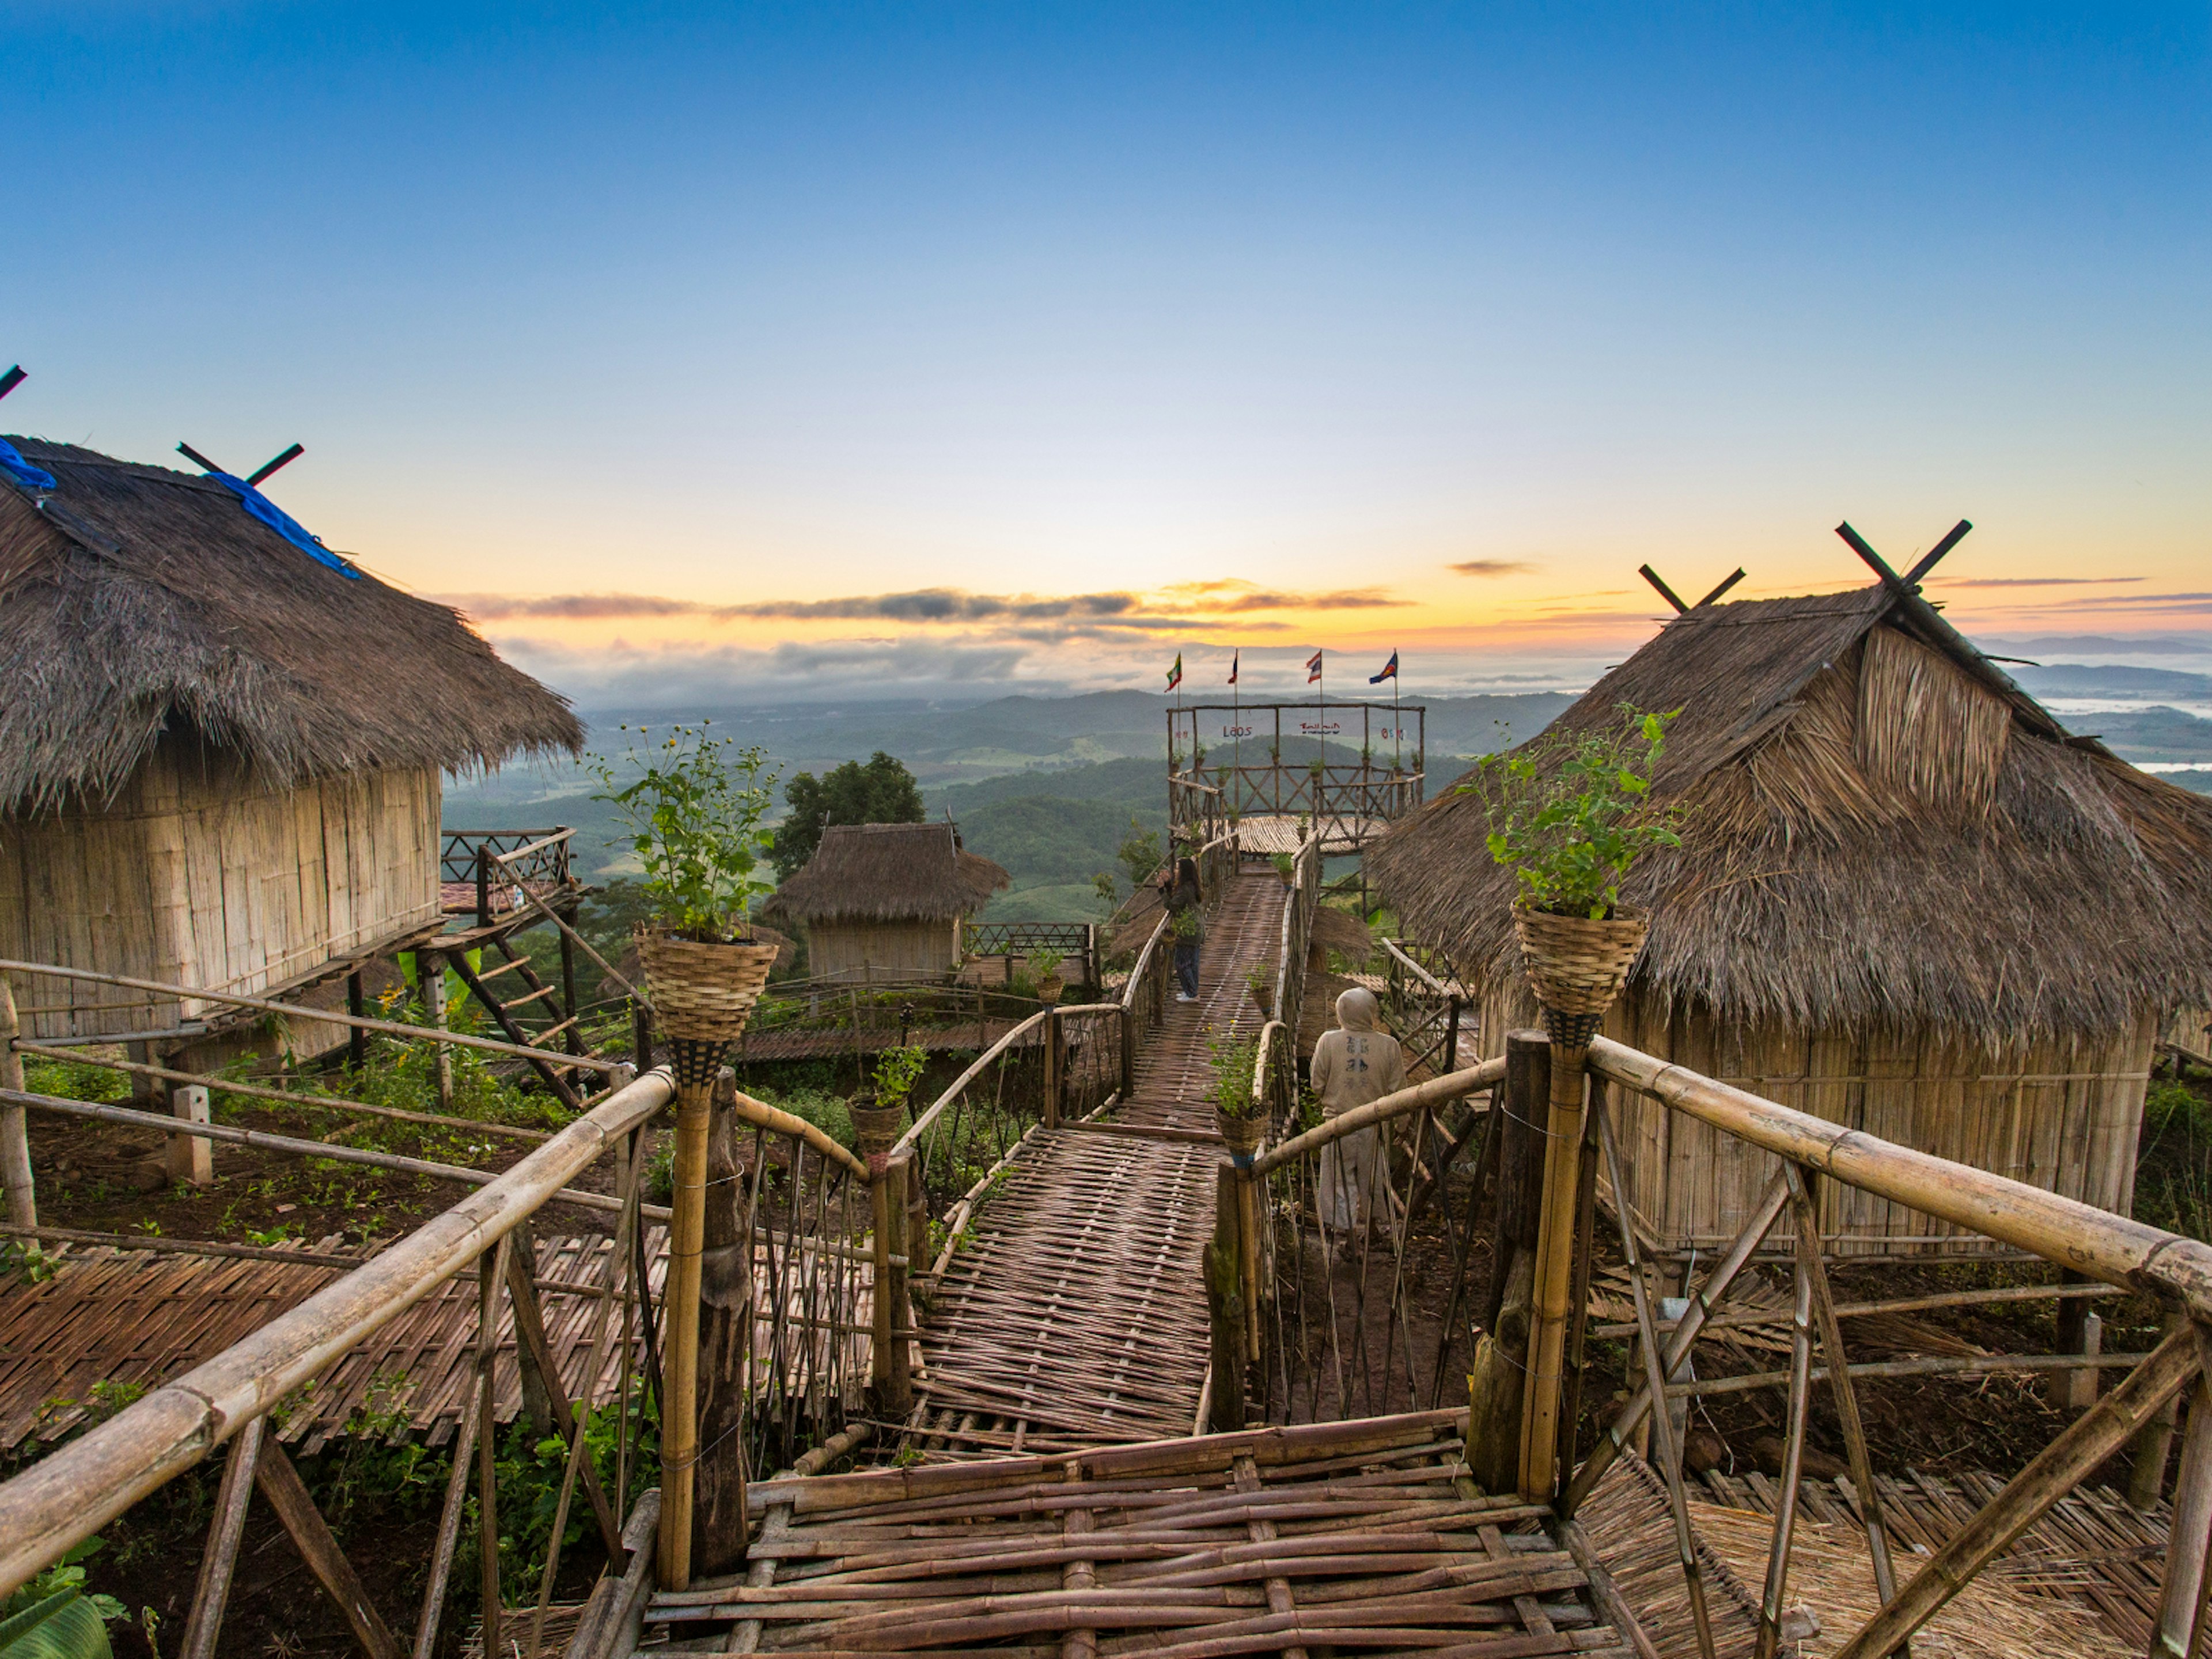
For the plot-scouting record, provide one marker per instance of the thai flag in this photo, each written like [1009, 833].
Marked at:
[1233, 656]
[1175, 674]
[1390, 671]
[1313, 668]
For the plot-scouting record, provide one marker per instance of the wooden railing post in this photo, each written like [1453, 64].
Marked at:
[898, 1180]
[1128, 1022]
[1496, 1389]
[1053, 1066]
[483, 885]
[2181, 1600]
[356, 1039]
[1224, 1303]
[431, 986]
[697, 1062]
[15, 1123]
[718, 1526]
[2154, 1444]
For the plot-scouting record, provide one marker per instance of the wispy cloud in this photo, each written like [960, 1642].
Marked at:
[1180, 608]
[2029, 582]
[1491, 568]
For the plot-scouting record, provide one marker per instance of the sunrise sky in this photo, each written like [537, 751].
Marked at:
[793, 351]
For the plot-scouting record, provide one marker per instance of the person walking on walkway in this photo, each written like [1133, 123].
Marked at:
[1187, 921]
[1356, 1063]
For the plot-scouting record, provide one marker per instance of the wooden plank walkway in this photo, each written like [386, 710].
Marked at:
[1340, 1537]
[1077, 1317]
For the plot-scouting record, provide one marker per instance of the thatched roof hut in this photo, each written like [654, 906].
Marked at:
[1905, 899]
[220, 756]
[886, 900]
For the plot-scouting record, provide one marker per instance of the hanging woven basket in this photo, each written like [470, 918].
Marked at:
[1245, 1136]
[702, 992]
[1577, 966]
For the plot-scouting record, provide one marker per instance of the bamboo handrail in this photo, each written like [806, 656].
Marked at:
[1128, 1002]
[68, 1495]
[262, 1140]
[327, 1015]
[1391, 947]
[1434, 1092]
[290, 1097]
[915, 1130]
[781, 1122]
[2079, 1236]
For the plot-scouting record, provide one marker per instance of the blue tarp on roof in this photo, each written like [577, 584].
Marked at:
[20, 471]
[284, 524]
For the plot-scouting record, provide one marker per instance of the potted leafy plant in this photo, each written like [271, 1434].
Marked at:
[694, 815]
[1238, 1114]
[1570, 815]
[1261, 983]
[1045, 964]
[1286, 864]
[879, 1111]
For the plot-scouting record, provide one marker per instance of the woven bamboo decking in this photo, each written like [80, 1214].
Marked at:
[1078, 1318]
[1358, 1537]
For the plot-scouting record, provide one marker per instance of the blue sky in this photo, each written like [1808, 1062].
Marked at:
[691, 311]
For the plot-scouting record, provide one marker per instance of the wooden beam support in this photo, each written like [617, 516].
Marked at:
[1665, 592]
[449, 1529]
[489, 1285]
[2056, 1470]
[14, 1125]
[287, 1493]
[515, 1033]
[213, 1590]
[1930, 560]
[1727, 583]
[530, 1339]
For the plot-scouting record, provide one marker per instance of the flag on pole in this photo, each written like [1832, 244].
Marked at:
[1233, 656]
[1175, 674]
[1390, 671]
[1313, 668]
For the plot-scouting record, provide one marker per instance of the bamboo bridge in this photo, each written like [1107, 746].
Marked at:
[1108, 1391]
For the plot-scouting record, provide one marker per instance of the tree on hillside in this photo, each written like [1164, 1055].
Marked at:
[1140, 857]
[879, 791]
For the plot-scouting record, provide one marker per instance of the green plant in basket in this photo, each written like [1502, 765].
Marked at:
[1044, 963]
[1234, 1059]
[896, 1073]
[694, 817]
[1286, 866]
[1571, 813]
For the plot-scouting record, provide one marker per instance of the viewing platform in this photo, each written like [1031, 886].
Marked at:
[1278, 769]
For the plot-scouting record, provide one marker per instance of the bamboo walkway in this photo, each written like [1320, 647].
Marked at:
[1077, 1318]
[1338, 1537]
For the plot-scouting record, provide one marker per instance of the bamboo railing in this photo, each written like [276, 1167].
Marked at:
[1425, 1014]
[2061, 1231]
[788, 1325]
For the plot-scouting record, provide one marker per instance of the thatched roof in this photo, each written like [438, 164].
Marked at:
[1881, 831]
[887, 872]
[137, 600]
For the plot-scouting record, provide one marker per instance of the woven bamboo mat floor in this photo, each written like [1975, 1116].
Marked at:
[111, 1321]
[1077, 1317]
[2084, 1580]
[1357, 1537]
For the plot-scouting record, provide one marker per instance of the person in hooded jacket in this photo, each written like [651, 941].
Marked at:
[1356, 1063]
[1182, 899]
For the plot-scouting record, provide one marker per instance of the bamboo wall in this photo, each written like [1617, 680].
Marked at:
[2059, 1115]
[2189, 1029]
[847, 950]
[198, 874]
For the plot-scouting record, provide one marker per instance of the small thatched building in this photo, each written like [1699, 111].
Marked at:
[887, 900]
[220, 754]
[1906, 901]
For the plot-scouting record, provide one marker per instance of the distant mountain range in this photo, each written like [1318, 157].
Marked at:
[1048, 785]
